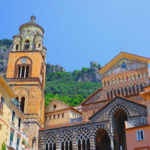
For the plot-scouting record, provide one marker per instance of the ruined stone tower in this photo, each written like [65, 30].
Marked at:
[26, 75]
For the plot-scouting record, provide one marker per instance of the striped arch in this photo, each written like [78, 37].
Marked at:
[117, 107]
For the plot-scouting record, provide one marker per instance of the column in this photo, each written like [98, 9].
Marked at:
[81, 145]
[25, 68]
[112, 142]
[74, 142]
[58, 145]
[85, 144]
[20, 71]
[92, 143]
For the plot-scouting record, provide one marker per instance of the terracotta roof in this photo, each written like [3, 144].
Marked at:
[123, 55]
[93, 94]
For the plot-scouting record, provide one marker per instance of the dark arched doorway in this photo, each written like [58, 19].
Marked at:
[120, 137]
[102, 140]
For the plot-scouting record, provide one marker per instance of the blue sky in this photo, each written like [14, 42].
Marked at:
[80, 31]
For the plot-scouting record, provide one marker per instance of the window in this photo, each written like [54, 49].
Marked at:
[54, 117]
[118, 92]
[124, 65]
[130, 92]
[140, 135]
[58, 115]
[11, 138]
[22, 103]
[107, 95]
[1, 104]
[13, 116]
[17, 145]
[133, 89]
[27, 45]
[17, 47]
[141, 87]
[122, 92]
[54, 106]
[126, 91]
[62, 115]
[115, 93]
[19, 122]
[23, 71]
[39, 46]
[137, 88]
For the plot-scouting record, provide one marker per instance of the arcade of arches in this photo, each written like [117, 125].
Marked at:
[104, 131]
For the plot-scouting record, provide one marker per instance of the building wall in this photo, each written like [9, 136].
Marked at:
[90, 109]
[133, 144]
[58, 104]
[16, 130]
[50, 120]
[5, 115]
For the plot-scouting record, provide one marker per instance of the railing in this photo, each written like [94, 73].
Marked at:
[76, 120]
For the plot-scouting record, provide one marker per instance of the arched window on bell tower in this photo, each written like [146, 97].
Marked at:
[17, 47]
[27, 44]
[22, 104]
[23, 67]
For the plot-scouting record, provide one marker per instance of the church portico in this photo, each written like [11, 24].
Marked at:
[105, 130]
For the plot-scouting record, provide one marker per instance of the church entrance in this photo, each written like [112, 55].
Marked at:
[120, 137]
[102, 140]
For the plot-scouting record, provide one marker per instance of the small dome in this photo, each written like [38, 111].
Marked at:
[31, 23]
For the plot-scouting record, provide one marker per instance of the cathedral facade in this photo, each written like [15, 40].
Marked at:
[109, 112]
[107, 116]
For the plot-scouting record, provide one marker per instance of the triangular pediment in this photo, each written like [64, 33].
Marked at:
[131, 108]
[132, 61]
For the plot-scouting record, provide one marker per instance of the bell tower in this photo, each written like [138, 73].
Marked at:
[26, 75]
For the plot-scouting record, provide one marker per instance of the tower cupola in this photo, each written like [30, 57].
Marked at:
[30, 37]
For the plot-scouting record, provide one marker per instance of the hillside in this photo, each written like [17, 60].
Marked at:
[4, 53]
[69, 87]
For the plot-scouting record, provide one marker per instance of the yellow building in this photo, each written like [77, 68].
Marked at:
[6, 94]
[17, 138]
[11, 119]
[59, 113]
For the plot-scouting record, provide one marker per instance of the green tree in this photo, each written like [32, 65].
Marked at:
[3, 146]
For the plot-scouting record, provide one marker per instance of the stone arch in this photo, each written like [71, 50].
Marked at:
[117, 107]
[102, 140]
[83, 138]
[118, 115]
[66, 140]
[22, 92]
[27, 64]
[50, 141]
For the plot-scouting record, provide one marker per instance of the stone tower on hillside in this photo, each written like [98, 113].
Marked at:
[26, 75]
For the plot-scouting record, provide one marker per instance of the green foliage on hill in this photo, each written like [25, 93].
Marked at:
[63, 86]
[5, 42]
